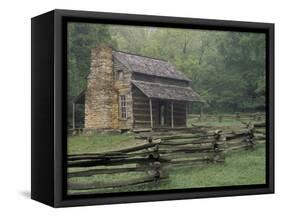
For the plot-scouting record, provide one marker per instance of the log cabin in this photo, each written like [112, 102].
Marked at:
[127, 91]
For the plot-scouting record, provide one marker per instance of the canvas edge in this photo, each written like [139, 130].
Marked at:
[59, 15]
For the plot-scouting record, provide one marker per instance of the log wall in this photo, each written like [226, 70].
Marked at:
[179, 115]
[162, 80]
[141, 112]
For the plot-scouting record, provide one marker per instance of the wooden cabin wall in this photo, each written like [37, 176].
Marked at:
[121, 87]
[161, 80]
[141, 111]
[179, 115]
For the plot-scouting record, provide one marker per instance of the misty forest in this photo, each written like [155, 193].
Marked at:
[226, 68]
[222, 146]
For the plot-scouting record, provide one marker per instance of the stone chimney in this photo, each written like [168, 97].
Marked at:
[98, 97]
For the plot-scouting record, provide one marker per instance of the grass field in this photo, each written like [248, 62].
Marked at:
[241, 168]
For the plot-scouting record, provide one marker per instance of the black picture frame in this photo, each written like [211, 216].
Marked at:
[48, 148]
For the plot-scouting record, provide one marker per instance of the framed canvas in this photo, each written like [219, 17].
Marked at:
[134, 108]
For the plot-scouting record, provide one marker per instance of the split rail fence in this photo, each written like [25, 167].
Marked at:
[160, 153]
[259, 116]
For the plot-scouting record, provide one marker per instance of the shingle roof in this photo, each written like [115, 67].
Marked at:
[149, 66]
[165, 91]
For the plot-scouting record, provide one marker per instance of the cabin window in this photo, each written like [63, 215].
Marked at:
[123, 107]
[119, 75]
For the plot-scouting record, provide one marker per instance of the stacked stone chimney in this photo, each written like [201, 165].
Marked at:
[98, 97]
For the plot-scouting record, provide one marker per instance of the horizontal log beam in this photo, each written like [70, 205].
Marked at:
[102, 185]
[139, 103]
[182, 136]
[139, 110]
[93, 172]
[140, 153]
[141, 115]
[107, 162]
[142, 121]
[185, 141]
[138, 147]
[185, 149]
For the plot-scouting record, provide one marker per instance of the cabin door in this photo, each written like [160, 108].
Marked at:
[162, 114]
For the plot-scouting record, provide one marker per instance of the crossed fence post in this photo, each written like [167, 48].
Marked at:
[218, 156]
[250, 136]
[155, 164]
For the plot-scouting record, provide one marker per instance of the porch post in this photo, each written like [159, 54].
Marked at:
[150, 110]
[73, 115]
[172, 114]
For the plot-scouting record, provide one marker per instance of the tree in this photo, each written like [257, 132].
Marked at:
[226, 68]
[82, 37]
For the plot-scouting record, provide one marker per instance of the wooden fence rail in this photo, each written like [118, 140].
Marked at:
[161, 152]
[259, 116]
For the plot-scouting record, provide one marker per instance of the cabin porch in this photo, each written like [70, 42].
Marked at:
[157, 106]
[161, 114]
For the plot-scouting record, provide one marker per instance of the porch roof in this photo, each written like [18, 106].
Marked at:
[169, 92]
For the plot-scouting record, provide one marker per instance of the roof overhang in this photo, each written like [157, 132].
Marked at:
[167, 92]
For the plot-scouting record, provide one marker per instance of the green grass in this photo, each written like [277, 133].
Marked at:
[240, 168]
[98, 142]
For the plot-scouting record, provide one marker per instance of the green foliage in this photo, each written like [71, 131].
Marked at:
[226, 68]
[82, 37]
